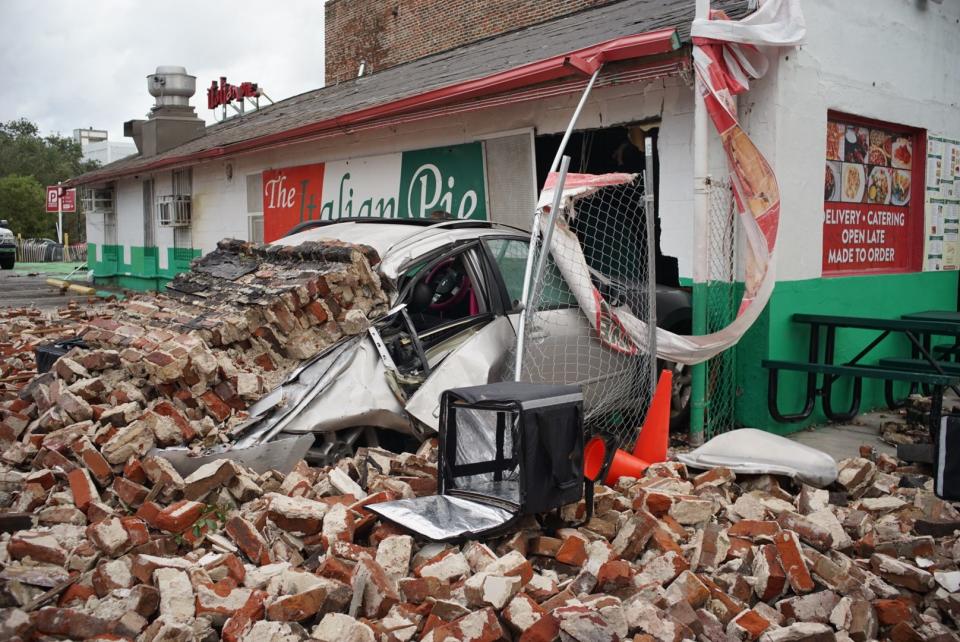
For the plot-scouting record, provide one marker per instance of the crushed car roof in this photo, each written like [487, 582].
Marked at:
[398, 243]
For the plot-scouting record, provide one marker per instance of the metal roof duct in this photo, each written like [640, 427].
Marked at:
[171, 121]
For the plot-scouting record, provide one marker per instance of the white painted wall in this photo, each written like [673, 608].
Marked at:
[893, 60]
[129, 206]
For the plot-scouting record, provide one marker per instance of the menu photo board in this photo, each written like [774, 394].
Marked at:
[870, 220]
[942, 206]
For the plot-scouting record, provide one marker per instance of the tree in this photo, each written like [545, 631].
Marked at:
[22, 204]
[30, 162]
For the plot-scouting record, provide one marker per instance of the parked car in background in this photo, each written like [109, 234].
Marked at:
[8, 246]
[455, 289]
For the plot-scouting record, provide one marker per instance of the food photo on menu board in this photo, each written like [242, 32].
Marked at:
[866, 194]
[867, 165]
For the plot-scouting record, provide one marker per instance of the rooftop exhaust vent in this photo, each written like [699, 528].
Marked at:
[171, 86]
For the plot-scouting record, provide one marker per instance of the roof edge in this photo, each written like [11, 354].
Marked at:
[581, 61]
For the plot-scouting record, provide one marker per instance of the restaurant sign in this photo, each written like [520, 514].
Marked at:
[438, 182]
[870, 210]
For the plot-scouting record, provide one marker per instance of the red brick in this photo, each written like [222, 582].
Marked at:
[890, 612]
[78, 593]
[264, 362]
[167, 409]
[246, 537]
[334, 569]
[243, 619]
[130, 493]
[136, 530]
[82, 488]
[418, 589]
[614, 575]
[791, 559]
[753, 529]
[215, 406]
[133, 470]
[546, 629]
[749, 625]
[148, 512]
[179, 516]
[770, 578]
[40, 547]
[572, 551]
[298, 607]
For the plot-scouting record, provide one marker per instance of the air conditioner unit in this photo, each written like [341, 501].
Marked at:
[174, 211]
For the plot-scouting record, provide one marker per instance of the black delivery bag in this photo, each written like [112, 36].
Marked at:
[946, 460]
[506, 450]
[47, 354]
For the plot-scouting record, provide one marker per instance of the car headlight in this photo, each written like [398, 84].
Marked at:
[6, 238]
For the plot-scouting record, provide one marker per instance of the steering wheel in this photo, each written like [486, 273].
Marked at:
[450, 284]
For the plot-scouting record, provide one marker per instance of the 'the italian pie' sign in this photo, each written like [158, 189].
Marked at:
[867, 225]
[443, 181]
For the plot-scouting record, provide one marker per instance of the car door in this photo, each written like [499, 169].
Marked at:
[563, 347]
[463, 352]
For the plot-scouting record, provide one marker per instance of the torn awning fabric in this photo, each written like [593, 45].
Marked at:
[726, 57]
[506, 450]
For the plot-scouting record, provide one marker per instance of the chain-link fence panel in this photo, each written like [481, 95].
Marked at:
[614, 255]
[723, 296]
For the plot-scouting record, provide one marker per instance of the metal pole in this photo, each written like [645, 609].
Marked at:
[548, 235]
[59, 213]
[573, 121]
[535, 229]
[649, 193]
[701, 247]
[529, 285]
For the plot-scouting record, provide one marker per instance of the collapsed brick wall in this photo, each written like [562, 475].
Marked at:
[386, 34]
[182, 367]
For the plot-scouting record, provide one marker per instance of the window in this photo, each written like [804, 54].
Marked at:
[510, 256]
[255, 208]
[256, 228]
[442, 291]
[149, 239]
[873, 197]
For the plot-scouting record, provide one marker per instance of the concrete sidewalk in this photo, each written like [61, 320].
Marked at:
[844, 440]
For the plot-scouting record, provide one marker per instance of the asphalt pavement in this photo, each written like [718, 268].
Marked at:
[26, 285]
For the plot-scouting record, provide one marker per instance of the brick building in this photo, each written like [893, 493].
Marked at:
[385, 34]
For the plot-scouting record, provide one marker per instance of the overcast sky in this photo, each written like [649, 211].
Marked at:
[66, 64]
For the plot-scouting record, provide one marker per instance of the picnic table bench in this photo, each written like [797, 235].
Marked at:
[921, 368]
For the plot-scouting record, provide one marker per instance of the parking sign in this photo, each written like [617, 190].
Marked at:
[67, 198]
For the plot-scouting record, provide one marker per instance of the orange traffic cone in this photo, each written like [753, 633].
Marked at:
[623, 465]
[652, 441]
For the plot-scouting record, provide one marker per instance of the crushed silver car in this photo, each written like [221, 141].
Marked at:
[455, 289]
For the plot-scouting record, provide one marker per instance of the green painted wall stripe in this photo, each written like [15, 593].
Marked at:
[143, 272]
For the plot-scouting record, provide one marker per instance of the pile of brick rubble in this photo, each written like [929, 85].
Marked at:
[227, 554]
[104, 543]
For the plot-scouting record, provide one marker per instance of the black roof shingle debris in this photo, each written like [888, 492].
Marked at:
[469, 62]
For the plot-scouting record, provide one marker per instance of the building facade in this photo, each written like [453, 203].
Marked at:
[96, 146]
[470, 131]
